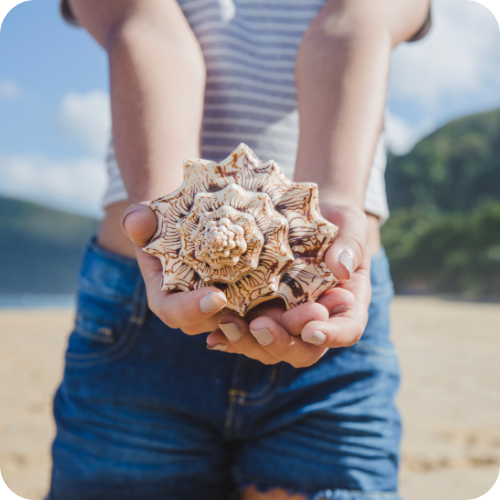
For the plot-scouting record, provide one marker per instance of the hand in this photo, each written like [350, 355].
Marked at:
[337, 319]
[193, 312]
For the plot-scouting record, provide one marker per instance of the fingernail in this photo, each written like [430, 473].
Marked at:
[126, 214]
[317, 338]
[264, 336]
[340, 309]
[232, 331]
[347, 261]
[217, 347]
[213, 302]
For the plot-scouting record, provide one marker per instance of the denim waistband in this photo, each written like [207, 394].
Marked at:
[108, 274]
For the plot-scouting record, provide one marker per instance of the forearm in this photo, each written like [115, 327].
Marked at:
[341, 85]
[342, 71]
[157, 80]
[157, 107]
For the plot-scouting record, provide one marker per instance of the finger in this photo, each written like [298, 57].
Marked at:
[217, 341]
[346, 252]
[151, 269]
[294, 320]
[185, 309]
[238, 335]
[337, 300]
[345, 328]
[139, 223]
[181, 309]
[279, 344]
[343, 331]
[209, 325]
[331, 302]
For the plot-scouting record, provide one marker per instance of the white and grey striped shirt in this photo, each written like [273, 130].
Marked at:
[250, 49]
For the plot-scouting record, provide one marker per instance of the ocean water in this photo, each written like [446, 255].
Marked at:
[37, 301]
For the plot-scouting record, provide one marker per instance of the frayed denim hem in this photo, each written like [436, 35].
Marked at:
[337, 494]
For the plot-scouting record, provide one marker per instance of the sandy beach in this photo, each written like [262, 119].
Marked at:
[450, 397]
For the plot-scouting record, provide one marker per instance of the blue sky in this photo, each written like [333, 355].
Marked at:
[45, 59]
[54, 105]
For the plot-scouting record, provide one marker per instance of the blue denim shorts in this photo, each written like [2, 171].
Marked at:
[145, 412]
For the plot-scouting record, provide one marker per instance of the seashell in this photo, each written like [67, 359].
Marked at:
[242, 226]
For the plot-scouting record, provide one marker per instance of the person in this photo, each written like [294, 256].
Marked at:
[144, 410]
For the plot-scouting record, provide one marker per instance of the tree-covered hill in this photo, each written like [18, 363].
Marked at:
[444, 230]
[40, 248]
[455, 168]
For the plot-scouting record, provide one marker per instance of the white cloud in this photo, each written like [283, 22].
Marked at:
[86, 118]
[460, 56]
[9, 90]
[402, 136]
[72, 185]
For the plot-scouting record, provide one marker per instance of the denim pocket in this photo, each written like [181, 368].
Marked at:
[106, 327]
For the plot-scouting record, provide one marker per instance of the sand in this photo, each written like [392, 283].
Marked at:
[450, 397]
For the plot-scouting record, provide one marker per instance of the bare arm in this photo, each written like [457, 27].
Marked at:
[341, 75]
[157, 76]
[341, 72]
[157, 79]
[342, 68]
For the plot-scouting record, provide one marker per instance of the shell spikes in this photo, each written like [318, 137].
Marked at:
[242, 226]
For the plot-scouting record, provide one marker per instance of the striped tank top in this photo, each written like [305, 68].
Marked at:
[250, 49]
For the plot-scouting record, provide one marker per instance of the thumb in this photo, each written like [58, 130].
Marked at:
[139, 223]
[346, 253]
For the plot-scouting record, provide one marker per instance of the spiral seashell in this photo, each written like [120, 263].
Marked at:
[242, 226]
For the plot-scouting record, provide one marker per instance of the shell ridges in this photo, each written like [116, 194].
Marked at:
[243, 226]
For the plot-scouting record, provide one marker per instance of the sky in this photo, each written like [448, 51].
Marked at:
[54, 101]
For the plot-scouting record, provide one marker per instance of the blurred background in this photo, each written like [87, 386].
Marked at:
[443, 236]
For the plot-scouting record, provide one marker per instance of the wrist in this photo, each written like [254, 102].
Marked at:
[341, 198]
[336, 210]
[336, 185]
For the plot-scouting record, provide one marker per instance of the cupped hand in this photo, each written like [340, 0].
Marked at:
[193, 312]
[269, 333]
[302, 335]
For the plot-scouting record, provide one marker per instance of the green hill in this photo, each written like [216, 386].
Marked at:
[454, 169]
[40, 248]
[444, 230]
